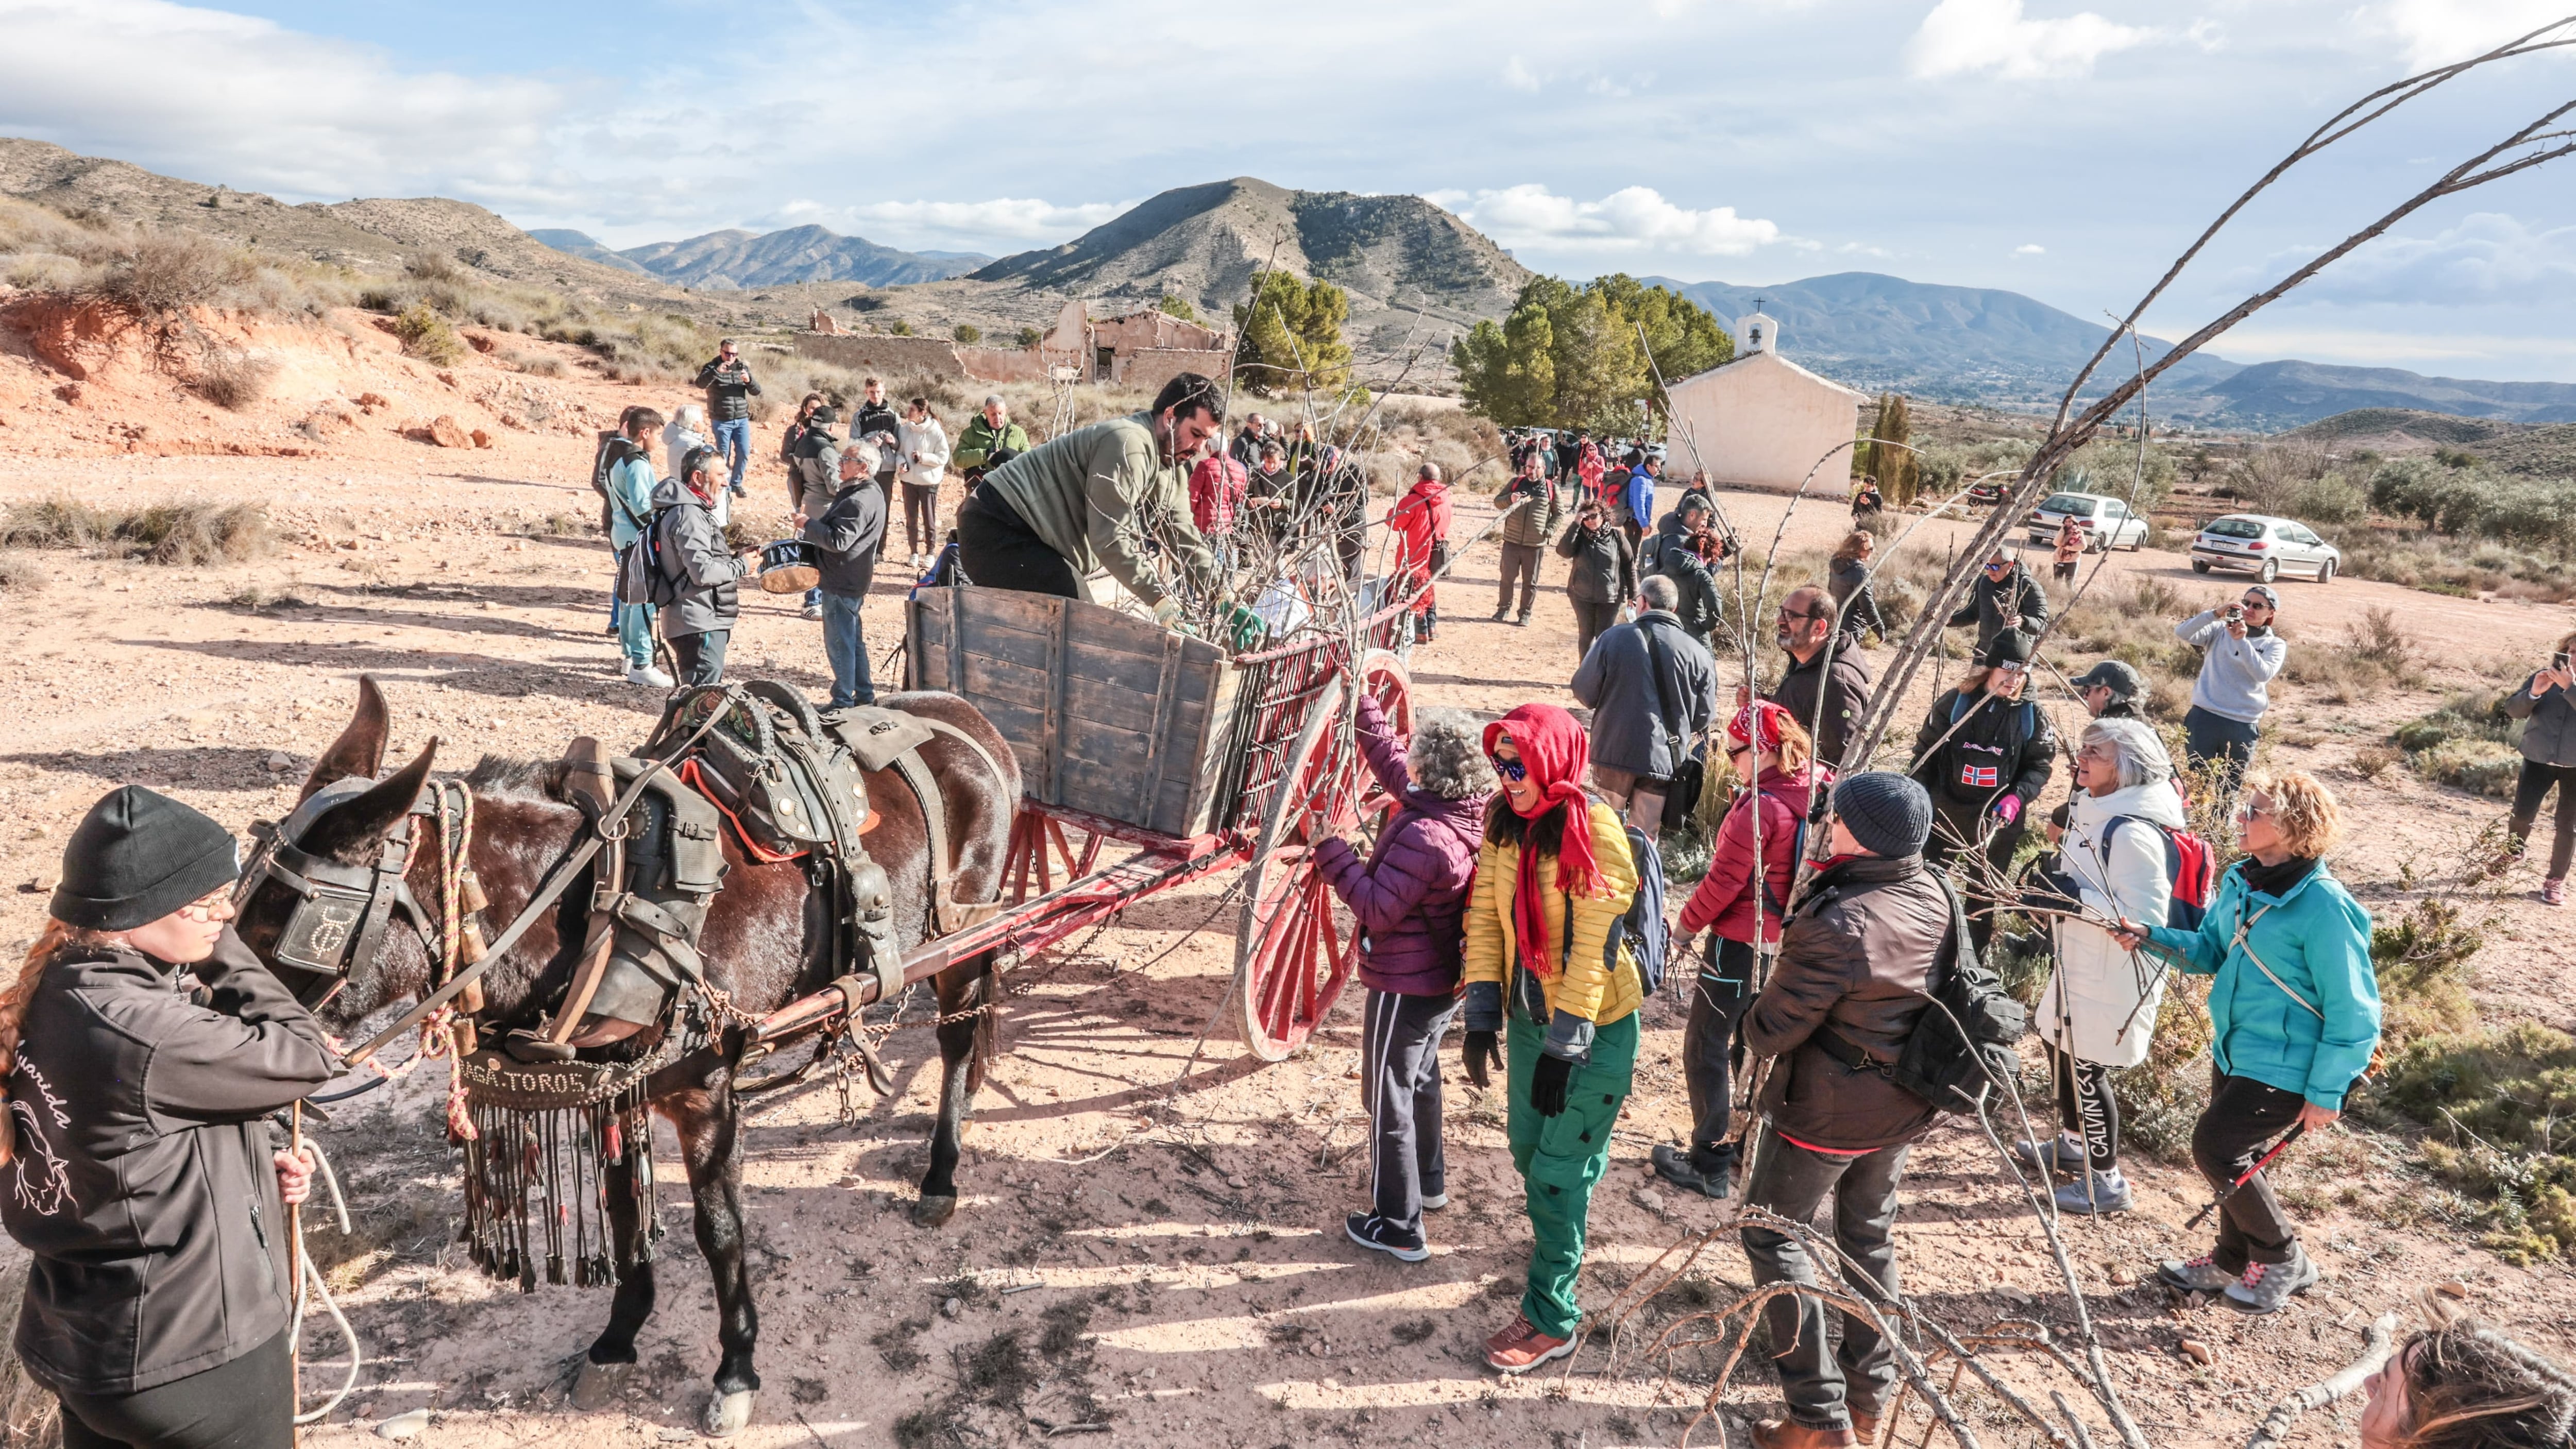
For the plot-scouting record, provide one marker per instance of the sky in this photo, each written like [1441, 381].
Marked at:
[2062, 149]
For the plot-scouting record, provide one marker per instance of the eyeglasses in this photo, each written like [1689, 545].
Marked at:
[1514, 768]
[1788, 613]
[210, 908]
[1737, 752]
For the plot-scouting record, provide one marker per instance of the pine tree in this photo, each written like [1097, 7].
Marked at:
[1571, 357]
[1291, 337]
[1899, 469]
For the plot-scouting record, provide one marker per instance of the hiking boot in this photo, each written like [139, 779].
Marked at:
[1675, 1166]
[738, 490]
[1371, 1231]
[1790, 1434]
[649, 677]
[2553, 891]
[2267, 1287]
[2196, 1275]
[2110, 1194]
[1520, 1347]
[2061, 1153]
[1435, 1202]
[1499, 613]
[1521, 622]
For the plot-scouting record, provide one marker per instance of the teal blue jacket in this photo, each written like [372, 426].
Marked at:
[2317, 940]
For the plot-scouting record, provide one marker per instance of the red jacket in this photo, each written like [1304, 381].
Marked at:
[1419, 519]
[1724, 897]
[1217, 487]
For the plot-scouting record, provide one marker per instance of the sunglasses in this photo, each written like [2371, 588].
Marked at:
[2246, 809]
[1514, 768]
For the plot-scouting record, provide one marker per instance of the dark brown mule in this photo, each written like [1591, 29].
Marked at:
[756, 948]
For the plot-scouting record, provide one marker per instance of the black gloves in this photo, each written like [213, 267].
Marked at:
[1547, 1084]
[1484, 1051]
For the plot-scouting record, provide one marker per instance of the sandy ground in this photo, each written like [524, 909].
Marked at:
[1147, 1242]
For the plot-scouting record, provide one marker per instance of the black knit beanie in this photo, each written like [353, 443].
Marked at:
[1888, 813]
[137, 857]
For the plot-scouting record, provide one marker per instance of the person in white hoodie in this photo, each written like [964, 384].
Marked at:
[2099, 1011]
[688, 429]
[923, 444]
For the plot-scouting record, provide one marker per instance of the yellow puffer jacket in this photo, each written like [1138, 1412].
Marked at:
[1586, 986]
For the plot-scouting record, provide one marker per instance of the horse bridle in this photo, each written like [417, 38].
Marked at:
[340, 919]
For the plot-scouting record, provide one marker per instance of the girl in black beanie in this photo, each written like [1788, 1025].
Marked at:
[139, 1168]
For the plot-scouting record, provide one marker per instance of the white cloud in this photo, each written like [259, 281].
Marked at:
[935, 223]
[244, 101]
[1518, 75]
[2030, 249]
[1965, 37]
[2435, 32]
[1637, 218]
[2488, 257]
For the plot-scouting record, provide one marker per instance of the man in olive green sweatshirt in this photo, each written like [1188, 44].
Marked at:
[1113, 495]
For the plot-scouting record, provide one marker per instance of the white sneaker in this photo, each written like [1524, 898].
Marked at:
[649, 677]
[1435, 1202]
[813, 611]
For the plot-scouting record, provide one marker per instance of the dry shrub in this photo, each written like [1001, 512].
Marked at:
[162, 274]
[2374, 760]
[537, 364]
[2481, 767]
[20, 574]
[232, 379]
[427, 336]
[184, 534]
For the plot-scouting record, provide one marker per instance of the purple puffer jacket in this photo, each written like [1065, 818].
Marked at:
[1411, 893]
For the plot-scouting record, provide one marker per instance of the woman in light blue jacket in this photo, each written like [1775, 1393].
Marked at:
[2294, 1015]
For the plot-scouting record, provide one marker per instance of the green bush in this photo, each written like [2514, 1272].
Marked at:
[2500, 1106]
[2333, 498]
[426, 335]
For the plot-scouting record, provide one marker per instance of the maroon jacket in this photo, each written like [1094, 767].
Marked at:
[1411, 893]
[1724, 897]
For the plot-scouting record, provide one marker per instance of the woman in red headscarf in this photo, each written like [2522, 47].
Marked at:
[1547, 965]
[1773, 755]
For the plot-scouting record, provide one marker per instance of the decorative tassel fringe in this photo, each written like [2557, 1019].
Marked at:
[568, 1159]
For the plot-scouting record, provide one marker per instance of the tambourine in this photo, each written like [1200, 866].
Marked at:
[787, 567]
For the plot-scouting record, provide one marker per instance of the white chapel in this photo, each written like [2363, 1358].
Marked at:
[1762, 421]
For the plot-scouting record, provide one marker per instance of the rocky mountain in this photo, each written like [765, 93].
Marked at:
[737, 259]
[585, 246]
[1949, 344]
[372, 234]
[2286, 394]
[1206, 243]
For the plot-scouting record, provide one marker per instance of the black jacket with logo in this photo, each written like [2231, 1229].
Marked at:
[729, 389]
[2000, 745]
[142, 1183]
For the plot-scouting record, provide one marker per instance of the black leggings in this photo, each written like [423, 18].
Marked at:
[2537, 781]
[1708, 1047]
[248, 1403]
[998, 550]
[2085, 1105]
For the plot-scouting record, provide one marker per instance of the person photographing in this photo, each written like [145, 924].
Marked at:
[2240, 654]
[2548, 763]
[144, 1182]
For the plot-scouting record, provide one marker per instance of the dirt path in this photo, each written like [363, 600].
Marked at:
[1146, 1240]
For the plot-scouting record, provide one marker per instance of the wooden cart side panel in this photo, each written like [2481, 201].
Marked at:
[1200, 733]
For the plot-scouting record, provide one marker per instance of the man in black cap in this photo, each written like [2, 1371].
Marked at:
[1856, 958]
[1984, 753]
[2111, 690]
[2005, 597]
[148, 1191]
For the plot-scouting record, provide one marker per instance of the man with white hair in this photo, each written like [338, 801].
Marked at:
[1652, 689]
[988, 442]
[847, 537]
[2117, 862]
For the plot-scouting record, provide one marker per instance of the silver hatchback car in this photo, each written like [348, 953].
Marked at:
[2265, 547]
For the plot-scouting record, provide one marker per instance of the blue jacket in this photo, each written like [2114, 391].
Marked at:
[1641, 498]
[631, 486]
[2317, 940]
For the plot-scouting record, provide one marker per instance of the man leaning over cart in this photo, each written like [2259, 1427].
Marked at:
[1111, 496]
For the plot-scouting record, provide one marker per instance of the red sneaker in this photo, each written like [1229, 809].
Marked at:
[1520, 1347]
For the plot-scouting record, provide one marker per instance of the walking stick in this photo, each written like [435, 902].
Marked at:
[2297, 1129]
[295, 1273]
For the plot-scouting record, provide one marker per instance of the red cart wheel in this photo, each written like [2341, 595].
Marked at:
[1383, 675]
[1298, 944]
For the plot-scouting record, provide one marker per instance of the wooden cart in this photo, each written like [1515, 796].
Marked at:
[1150, 759]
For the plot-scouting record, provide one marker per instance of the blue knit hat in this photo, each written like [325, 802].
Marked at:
[1888, 813]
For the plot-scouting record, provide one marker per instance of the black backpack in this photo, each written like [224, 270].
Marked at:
[1961, 1049]
[641, 578]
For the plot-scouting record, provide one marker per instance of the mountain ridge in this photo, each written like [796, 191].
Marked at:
[739, 259]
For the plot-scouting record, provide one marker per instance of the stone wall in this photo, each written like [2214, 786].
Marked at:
[1151, 368]
[878, 353]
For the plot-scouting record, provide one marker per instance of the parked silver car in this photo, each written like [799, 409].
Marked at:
[2264, 546]
[2107, 522]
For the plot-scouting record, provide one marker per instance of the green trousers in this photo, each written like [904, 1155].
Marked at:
[1560, 1159]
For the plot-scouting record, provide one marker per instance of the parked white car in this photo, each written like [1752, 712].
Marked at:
[2107, 522]
[2264, 546]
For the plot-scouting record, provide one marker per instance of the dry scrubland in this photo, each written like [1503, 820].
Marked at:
[1150, 1238]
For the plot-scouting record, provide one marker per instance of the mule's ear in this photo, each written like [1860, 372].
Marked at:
[353, 827]
[360, 749]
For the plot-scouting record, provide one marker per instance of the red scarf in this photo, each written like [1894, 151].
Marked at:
[1556, 751]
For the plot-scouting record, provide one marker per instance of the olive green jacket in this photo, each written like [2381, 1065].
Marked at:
[1096, 495]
